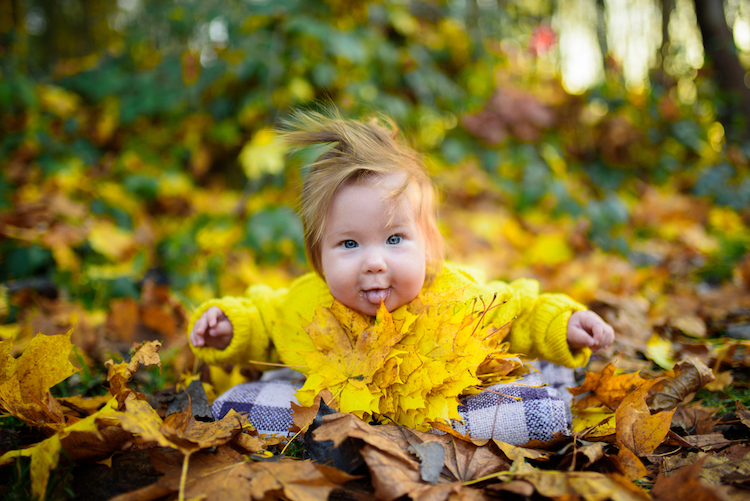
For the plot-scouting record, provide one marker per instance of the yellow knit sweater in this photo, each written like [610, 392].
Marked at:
[269, 323]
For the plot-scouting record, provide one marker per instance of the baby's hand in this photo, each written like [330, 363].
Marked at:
[213, 329]
[587, 329]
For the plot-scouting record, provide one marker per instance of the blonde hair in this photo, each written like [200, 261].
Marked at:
[360, 151]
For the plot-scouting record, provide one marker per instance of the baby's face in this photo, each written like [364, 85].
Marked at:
[368, 256]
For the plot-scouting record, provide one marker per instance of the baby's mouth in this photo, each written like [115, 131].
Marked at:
[374, 296]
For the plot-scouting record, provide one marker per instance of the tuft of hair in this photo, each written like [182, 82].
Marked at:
[360, 151]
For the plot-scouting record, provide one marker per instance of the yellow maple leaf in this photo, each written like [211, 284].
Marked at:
[25, 381]
[349, 352]
[600, 421]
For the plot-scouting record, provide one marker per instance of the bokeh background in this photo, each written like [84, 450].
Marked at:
[600, 146]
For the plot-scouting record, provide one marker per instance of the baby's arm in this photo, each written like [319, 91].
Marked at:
[586, 329]
[236, 330]
[212, 329]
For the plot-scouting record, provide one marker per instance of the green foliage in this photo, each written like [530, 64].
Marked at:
[141, 120]
[16, 481]
[724, 400]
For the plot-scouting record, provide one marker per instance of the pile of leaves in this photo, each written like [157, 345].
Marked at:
[410, 367]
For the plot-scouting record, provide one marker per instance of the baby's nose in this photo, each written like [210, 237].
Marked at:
[374, 262]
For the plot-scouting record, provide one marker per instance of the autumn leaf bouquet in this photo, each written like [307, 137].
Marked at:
[411, 366]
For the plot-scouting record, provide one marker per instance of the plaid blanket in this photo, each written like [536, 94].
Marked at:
[512, 412]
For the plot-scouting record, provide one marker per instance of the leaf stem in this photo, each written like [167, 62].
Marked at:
[273, 364]
[290, 441]
[489, 477]
[183, 477]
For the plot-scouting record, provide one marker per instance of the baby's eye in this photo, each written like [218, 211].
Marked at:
[394, 239]
[349, 244]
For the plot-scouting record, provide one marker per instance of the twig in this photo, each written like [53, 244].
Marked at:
[497, 393]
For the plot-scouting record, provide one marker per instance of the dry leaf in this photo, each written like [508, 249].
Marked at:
[684, 484]
[146, 354]
[180, 430]
[637, 429]
[633, 466]
[691, 376]
[25, 381]
[515, 453]
[119, 375]
[578, 484]
[303, 416]
[606, 388]
[743, 413]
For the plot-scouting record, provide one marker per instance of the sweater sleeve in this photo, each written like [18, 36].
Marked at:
[252, 318]
[538, 322]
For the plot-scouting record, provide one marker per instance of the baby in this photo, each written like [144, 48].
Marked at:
[369, 214]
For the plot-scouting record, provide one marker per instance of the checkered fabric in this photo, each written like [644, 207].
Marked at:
[515, 413]
[267, 404]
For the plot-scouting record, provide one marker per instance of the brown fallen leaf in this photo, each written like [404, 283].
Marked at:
[146, 354]
[227, 475]
[722, 470]
[468, 462]
[303, 416]
[637, 428]
[515, 453]
[394, 477]
[250, 443]
[690, 376]
[683, 484]
[295, 480]
[633, 467]
[219, 475]
[179, 431]
[87, 446]
[743, 413]
[340, 426]
[582, 457]
[606, 388]
[695, 418]
[119, 375]
[464, 461]
[705, 442]
[587, 485]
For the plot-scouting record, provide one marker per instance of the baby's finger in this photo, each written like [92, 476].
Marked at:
[223, 328]
[212, 316]
[200, 326]
[597, 333]
[196, 339]
[609, 336]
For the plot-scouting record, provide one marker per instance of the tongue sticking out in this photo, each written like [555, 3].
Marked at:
[374, 296]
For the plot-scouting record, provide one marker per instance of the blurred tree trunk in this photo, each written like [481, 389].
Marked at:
[662, 76]
[718, 44]
[601, 30]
